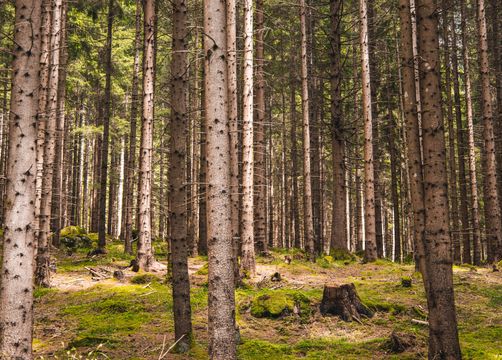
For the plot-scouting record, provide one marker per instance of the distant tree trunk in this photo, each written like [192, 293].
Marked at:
[42, 277]
[58, 189]
[233, 121]
[221, 304]
[339, 223]
[369, 188]
[106, 130]
[178, 232]
[45, 68]
[455, 231]
[131, 157]
[247, 227]
[202, 243]
[16, 297]
[492, 209]
[443, 335]
[461, 146]
[145, 254]
[295, 207]
[260, 184]
[307, 191]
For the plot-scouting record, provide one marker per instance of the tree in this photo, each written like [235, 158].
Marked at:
[369, 187]
[177, 181]
[339, 227]
[16, 291]
[221, 301]
[260, 183]
[144, 255]
[443, 335]
[247, 227]
[42, 277]
[492, 209]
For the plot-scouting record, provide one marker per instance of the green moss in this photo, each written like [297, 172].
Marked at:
[383, 306]
[203, 270]
[274, 304]
[144, 279]
[342, 255]
[483, 343]
[40, 292]
[75, 237]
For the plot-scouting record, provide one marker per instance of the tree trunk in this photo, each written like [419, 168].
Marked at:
[247, 227]
[443, 335]
[307, 191]
[131, 163]
[339, 224]
[178, 232]
[42, 277]
[492, 209]
[476, 231]
[16, 297]
[295, 207]
[260, 184]
[144, 255]
[369, 188]
[221, 304]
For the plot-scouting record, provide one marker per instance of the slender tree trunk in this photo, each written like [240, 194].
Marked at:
[16, 295]
[42, 277]
[247, 227]
[42, 100]
[295, 207]
[339, 225]
[144, 256]
[369, 188]
[260, 184]
[492, 209]
[234, 127]
[443, 335]
[106, 131]
[178, 232]
[221, 304]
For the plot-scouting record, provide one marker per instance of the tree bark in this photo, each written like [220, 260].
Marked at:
[177, 180]
[443, 335]
[16, 292]
[247, 227]
[221, 303]
[492, 209]
[295, 207]
[369, 186]
[339, 220]
[144, 255]
[260, 184]
[42, 277]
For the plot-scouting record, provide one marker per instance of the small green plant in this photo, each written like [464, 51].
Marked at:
[144, 279]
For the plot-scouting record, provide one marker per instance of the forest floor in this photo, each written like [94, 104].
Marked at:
[81, 318]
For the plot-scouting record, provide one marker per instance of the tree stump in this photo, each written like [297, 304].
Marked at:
[344, 302]
[400, 342]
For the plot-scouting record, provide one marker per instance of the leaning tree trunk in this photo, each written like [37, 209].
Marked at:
[144, 255]
[339, 220]
[247, 227]
[178, 232]
[443, 335]
[307, 191]
[492, 209]
[42, 277]
[221, 304]
[16, 295]
[369, 186]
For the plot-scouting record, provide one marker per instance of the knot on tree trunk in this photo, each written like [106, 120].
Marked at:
[344, 302]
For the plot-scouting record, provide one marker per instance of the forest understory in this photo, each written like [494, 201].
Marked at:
[88, 316]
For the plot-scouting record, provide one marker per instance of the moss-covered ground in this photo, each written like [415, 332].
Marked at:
[132, 318]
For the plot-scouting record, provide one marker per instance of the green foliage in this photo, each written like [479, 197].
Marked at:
[343, 255]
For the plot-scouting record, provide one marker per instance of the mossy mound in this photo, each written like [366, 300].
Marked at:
[75, 237]
[144, 279]
[342, 255]
[275, 304]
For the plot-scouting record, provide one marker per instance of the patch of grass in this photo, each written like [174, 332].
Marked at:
[483, 343]
[204, 270]
[41, 292]
[277, 303]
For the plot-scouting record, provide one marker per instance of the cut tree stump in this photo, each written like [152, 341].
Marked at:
[400, 342]
[344, 302]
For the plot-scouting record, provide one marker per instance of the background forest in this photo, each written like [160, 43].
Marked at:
[348, 142]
